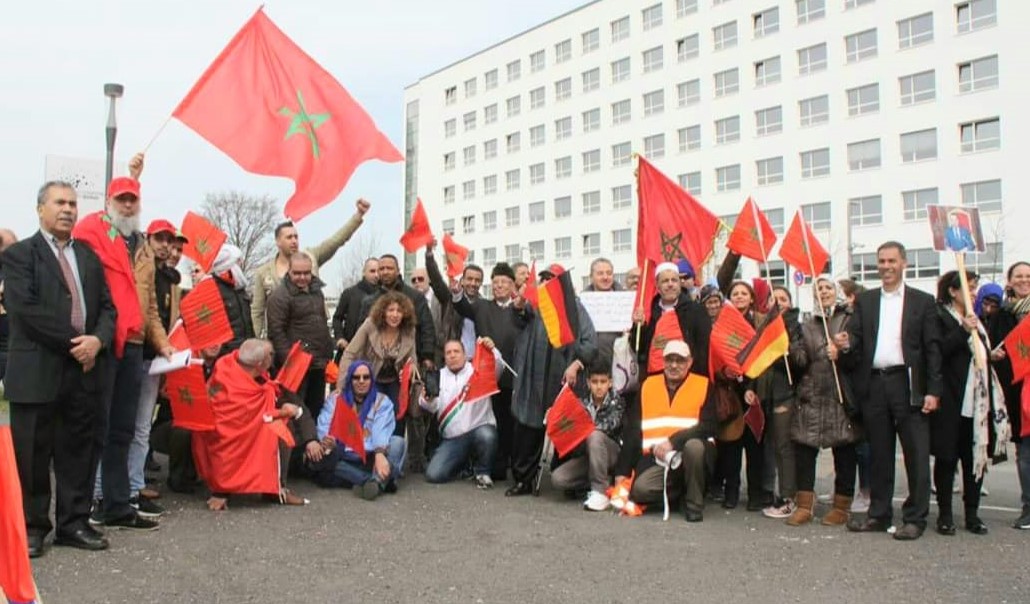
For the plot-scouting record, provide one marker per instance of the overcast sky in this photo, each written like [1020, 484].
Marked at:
[55, 57]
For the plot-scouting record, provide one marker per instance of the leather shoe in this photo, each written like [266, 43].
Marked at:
[36, 548]
[520, 488]
[976, 526]
[693, 515]
[731, 500]
[945, 527]
[867, 525]
[908, 532]
[84, 538]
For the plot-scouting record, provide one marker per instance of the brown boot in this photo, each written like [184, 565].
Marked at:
[840, 513]
[803, 513]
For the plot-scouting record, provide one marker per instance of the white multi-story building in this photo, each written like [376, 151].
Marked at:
[856, 112]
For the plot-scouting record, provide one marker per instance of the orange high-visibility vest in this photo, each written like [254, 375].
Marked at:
[660, 419]
[666, 329]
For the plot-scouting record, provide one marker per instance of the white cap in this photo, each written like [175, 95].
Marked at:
[676, 347]
[666, 266]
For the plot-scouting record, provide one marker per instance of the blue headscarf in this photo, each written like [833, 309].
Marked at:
[348, 390]
[987, 290]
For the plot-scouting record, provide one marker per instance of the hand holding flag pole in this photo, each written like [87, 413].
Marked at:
[979, 356]
[815, 295]
[640, 301]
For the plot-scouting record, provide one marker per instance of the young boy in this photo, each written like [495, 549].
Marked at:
[591, 464]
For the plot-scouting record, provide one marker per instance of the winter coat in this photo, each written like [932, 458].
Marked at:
[773, 386]
[425, 331]
[294, 315]
[237, 308]
[694, 324]
[367, 345]
[348, 318]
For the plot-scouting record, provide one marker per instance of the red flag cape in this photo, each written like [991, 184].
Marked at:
[205, 239]
[568, 423]
[1017, 347]
[295, 367]
[346, 428]
[802, 250]
[96, 231]
[483, 382]
[769, 345]
[730, 333]
[188, 394]
[418, 234]
[666, 329]
[15, 571]
[530, 293]
[241, 454]
[558, 310]
[456, 255]
[204, 315]
[271, 108]
[752, 237]
[404, 398]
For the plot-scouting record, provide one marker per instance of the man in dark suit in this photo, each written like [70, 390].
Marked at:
[61, 318]
[892, 350]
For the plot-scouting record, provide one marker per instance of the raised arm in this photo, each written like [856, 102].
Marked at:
[323, 252]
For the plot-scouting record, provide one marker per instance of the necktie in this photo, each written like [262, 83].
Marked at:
[78, 319]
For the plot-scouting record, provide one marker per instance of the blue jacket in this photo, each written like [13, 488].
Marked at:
[379, 424]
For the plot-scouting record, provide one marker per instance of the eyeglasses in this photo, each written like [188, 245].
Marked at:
[417, 279]
[361, 377]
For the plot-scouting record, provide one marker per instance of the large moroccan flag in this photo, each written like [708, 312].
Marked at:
[15, 571]
[204, 315]
[204, 240]
[418, 234]
[1017, 347]
[483, 382]
[346, 427]
[802, 250]
[189, 395]
[768, 346]
[558, 310]
[456, 255]
[730, 333]
[295, 367]
[752, 237]
[271, 108]
[568, 422]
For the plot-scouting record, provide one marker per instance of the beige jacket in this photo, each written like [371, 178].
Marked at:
[143, 268]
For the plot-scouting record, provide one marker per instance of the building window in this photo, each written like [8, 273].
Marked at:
[620, 112]
[490, 79]
[490, 149]
[537, 212]
[448, 161]
[536, 250]
[981, 135]
[863, 267]
[980, 74]
[489, 256]
[769, 120]
[727, 130]
[866, 211]
[563, 51]
[450, 128]
[512, 217]
[689, 138]
[563, 248]
[620, 29]
[915, 31]
[591, 40]
[592, 79]
[815, 163]
[923, 264]
[920, 145]
[448, 226]
[536, 136]
[727, 82]
[490, 184]
[537, 61]
[513, 106]
[976, 14]
[563, 207]
[727, 178]
[563, 167]
[863, 99]
[864, 155]
[815, 110]
[652, 16]
[468, 155]
[592, 160]
[448, 195]
[691, 182]
[621, 154]
[563, 128]
[653, 59]
[513, 142]
[620, 70]
[849, 4]
[985, 194]
[654, 102]
[537, 97]
[767, 71]
[685, 7]
[514, 70]
[914, 202]
[810, 10]
[622, 197]
[591, 120]
[688, 48]
[490, 114]
[622, 240]
[592, 202]
[654, 146]
[989, 263]
[512, 253]
[511, 180]
[766, 22]
[591, 244]
[450, 95]
[769, 171]
[860, 46]
[469, 121]
[918, 88]
[470, 88]
[812, 59]
[775, 216]
[725, 35]
[468, 224]
[537, 173]
[688, 92]
[817, 215]
[563, 89]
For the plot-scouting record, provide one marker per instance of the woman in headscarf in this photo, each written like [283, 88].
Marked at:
[988, 301]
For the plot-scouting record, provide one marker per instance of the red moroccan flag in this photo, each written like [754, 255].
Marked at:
[188, 393]
[730, 333]
[568, 422]
[178, 339]
[1017, 347]
[456, 256]
[404, 398]
[15, 571]
[271, 108]
[204, 315]
[295, 367]
[204, 240]
[666, 329]
[752, 237]
[483, 382]
[346, 427]
[281, 429]
[418, 234]
[802, 250]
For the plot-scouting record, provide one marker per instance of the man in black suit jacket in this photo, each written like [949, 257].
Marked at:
[892, 350]
[55, 378]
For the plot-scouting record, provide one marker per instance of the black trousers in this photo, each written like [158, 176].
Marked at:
[889, 416]
[117, 429]
[527, 445]
[731, 457]
[505, 431]
[944, 474]
[844, 468]
[312, 392]
[62, 431]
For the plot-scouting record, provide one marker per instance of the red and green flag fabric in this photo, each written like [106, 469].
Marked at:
[177, 337]
[483, 382]
[568, 422]
[1017, 347]
[730, 333]
[752, 236]
[346, 428]
[295, 368]
[456, 255]
[204, 240]
[404, 397]
[275, 111]
[418, 234]
[666, 329]
[190, 395]
[768, 346]
[281, 429]
[16, 581]
[802, 250]
[204, 315]
[558, 310]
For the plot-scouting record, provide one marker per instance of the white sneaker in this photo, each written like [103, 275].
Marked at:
[781, 511]
[860, 504]
[483, 481]
[597, 502]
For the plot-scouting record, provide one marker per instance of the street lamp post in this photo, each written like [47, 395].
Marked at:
[112, 92]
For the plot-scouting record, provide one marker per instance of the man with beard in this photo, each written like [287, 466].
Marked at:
[129, 267]
[347, 317]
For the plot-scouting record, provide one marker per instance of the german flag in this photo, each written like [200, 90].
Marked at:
[769, 345]
[558, 310]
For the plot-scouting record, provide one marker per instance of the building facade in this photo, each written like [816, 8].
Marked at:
[858, 113]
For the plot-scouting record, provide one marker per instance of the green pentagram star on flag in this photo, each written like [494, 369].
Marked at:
[304, 123]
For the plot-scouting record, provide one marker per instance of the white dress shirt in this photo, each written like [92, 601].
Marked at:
[888, 339]
[69, 254]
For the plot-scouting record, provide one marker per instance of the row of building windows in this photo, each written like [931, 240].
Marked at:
[912, 31]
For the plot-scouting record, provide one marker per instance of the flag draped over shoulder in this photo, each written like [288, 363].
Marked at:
[568, 422]
[295, 367]
[730, 333]
[271, 108]
[346, 427]
[483, 382]
[418, 234]
[752, 237]
[802, 250]
[456, 255]
[204, 316]
[188, 393]
[204, 240]
[558, 310]
[1017, 347]
[766, 347]
[15, 570]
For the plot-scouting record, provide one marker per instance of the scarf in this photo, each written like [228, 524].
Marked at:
[227, 265]
[348, 390]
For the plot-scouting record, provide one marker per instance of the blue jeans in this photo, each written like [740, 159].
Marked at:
[1023, 466]
[452, 453]
[353, 472]
[141, 438]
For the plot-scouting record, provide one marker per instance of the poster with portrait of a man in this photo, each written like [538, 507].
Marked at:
[956, 229]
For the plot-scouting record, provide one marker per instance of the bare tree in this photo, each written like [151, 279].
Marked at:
[364, 245]
[248, 221]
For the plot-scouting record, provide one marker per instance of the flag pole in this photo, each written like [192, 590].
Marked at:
[507, 366]
[765, 266]
[978, 351]
[640, 302]
[158, 133]
[815, 296]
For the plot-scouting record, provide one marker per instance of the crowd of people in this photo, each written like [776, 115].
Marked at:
[89, 302]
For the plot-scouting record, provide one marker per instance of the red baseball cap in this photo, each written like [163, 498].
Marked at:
[552, 271]
[161, 226]
[123, 185]
[183, 238]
